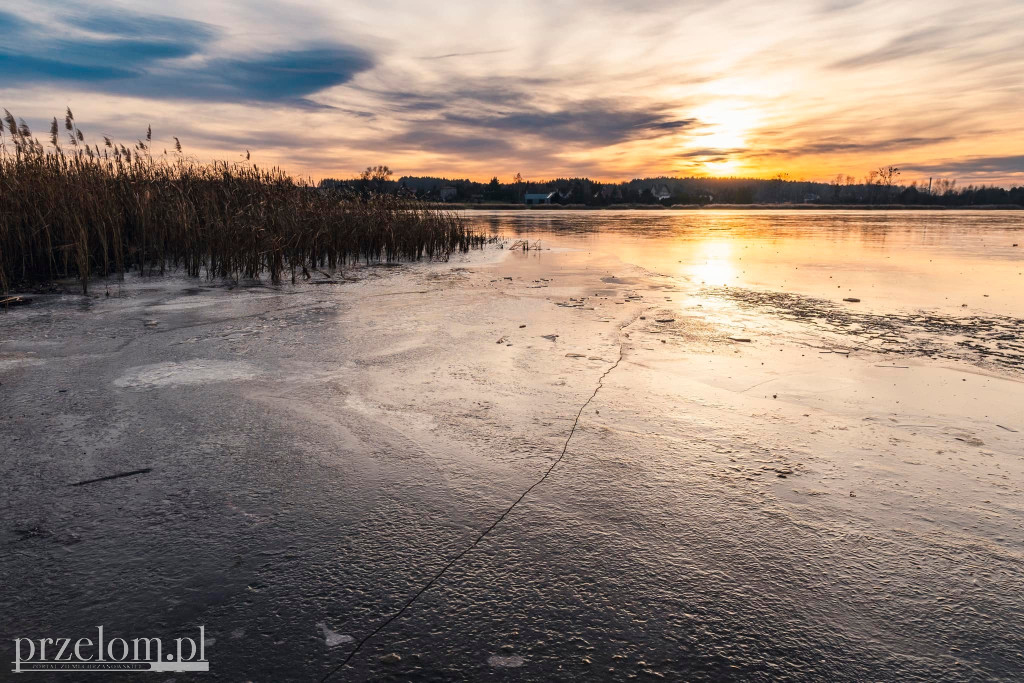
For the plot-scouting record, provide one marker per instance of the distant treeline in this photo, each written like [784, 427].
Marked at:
[880, 187]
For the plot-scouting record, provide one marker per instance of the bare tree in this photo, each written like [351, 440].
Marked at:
[376, 178]
[887, 176]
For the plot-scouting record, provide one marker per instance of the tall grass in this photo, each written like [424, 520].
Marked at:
[80, 210]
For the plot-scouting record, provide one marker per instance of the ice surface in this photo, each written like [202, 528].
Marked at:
[837, 499]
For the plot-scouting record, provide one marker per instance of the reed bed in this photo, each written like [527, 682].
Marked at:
[76, 210]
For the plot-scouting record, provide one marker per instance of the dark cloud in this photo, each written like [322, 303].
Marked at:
[718, 154]
[140, 55]
[278, 77]
[841, 145]
[17, 69]
[11, 22]
[507, 108]
[433, 138]
[595, 122]
[130, 43]
[471, 95]
[976, 166]
[124, 23]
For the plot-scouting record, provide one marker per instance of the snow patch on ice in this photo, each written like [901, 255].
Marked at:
[510, 662]
[185, 303]
[185, 373]
[12, 363]
[333, 638]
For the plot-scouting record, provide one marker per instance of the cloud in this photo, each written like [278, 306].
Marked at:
[971, 40]
[11, 22]
[125, 23]
[30, 51]
[975, 166]
[908, 45]
[701, 153]
[468, 54]
[153, 48]
[17, 69]
[276, 77]
[844, 145]
[593, 122]
[470, 95]
[435, 139]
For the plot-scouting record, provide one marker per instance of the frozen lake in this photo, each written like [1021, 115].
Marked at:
[753, 478]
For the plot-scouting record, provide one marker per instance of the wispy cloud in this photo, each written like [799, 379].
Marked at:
[468, 54]
[913, 44]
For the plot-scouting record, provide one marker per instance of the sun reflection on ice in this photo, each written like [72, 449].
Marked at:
[713, 264]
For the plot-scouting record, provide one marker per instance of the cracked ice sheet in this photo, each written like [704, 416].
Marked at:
[666, 541]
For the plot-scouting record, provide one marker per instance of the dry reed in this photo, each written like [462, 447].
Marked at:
[85, 210]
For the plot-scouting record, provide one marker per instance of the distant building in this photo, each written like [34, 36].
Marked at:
[811, 198]
[539, 197]
[448, 194]
[609, 194]
[661, 192]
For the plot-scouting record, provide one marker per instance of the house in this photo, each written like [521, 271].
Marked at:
[448, 194]
[811, 198]
[609, 193]
[539, 197]
[661, 192]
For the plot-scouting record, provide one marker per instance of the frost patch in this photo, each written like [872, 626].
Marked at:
[184, 303]
[406, 418]
[333, 638]
[186, 373]
[510, 662]
[12, 363]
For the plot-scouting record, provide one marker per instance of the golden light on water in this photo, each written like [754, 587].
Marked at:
[718, 267]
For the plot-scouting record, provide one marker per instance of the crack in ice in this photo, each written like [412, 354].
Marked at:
[495, 523]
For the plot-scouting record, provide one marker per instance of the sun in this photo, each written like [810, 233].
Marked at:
[726, 125]
[721, 168]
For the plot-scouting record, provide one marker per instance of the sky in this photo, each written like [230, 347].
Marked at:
[608, 90]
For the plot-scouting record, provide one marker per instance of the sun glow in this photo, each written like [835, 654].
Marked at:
[721, 168]
[726, 128]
